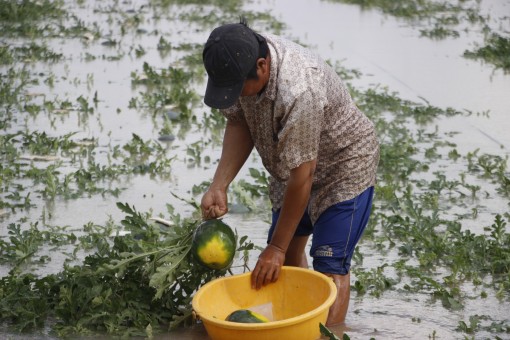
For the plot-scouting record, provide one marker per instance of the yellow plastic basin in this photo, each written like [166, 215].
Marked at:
[300, 299]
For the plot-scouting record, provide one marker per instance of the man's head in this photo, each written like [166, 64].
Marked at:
[231, 56]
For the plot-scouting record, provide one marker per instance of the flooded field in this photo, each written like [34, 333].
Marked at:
[103, 127]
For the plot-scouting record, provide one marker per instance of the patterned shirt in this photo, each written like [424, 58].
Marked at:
[306, 113]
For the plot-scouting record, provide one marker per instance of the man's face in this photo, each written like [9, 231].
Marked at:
[252, 87]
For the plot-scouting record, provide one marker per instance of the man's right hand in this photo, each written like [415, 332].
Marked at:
[214, 204]
[237, 146]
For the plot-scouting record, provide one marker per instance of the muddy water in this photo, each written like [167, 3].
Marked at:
[392, 53]
[387, 51]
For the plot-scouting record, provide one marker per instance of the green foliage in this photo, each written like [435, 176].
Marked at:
[40, 19]
[159, 95]
[327, 332]
[410, 213]
[444, 19]
[142, 282]
[496, 52]
[442, 15]
[374, 281]
[34, 52]
[27, 10]
[146, 277]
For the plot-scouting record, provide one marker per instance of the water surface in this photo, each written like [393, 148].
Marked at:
[387, 51]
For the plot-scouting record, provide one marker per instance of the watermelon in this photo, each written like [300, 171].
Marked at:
[246, 316]
[214, 244]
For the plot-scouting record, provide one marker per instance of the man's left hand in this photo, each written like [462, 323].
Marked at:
[268, 266]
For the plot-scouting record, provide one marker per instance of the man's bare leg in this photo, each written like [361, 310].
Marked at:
[339, 308]
[295, 255]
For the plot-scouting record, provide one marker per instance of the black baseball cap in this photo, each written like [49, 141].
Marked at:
[229, 54]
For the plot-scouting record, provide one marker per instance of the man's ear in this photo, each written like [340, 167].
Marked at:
[262, 64]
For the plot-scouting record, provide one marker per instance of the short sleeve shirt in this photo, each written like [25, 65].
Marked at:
[306, 113]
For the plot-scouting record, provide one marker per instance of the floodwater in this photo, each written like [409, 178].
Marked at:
[387, 51]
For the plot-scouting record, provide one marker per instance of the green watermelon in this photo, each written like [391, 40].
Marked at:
[214, 244]
[246, 316]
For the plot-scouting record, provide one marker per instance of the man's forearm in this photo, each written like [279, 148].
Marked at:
[296, 197]
[237, 146]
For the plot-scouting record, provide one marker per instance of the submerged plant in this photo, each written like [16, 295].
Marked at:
[137, 280]
[496, 52]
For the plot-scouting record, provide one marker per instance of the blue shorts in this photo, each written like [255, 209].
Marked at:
[335, 233]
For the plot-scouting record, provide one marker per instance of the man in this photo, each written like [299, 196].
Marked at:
[321, 152]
